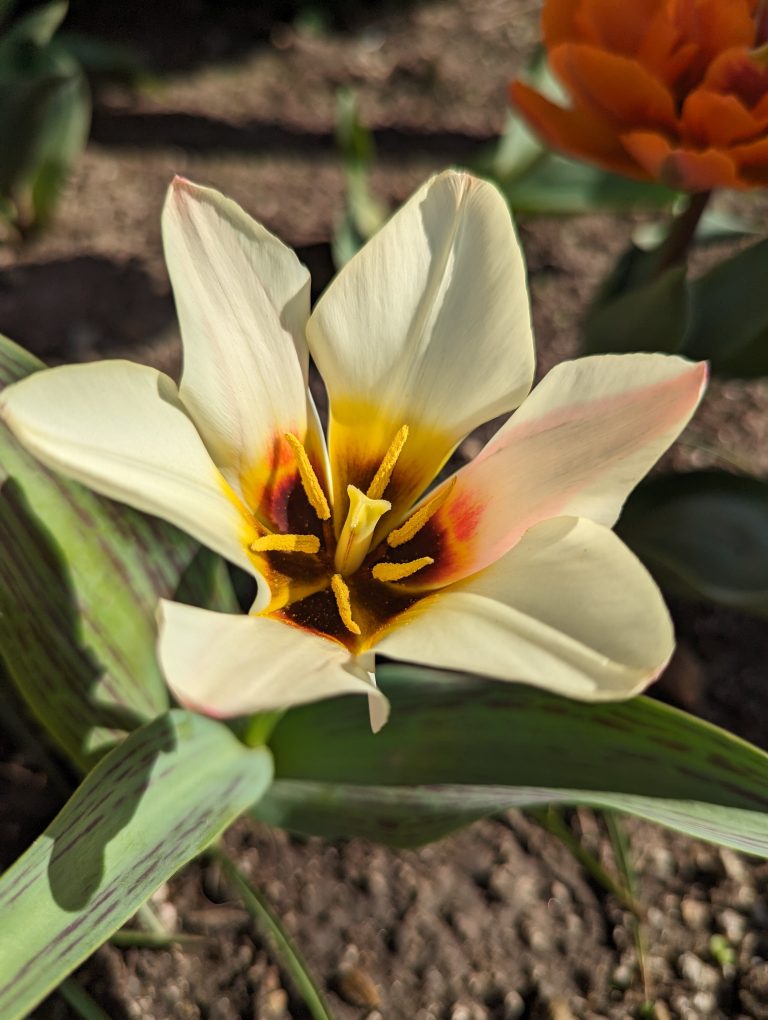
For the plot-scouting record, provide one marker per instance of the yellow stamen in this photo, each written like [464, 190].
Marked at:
[355, 538]
[387, 466]
[309, 479]
[416, 521]
[287, 543]
[341, 591]
[398, 571]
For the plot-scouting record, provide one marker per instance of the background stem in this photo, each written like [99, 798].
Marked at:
[681, 232]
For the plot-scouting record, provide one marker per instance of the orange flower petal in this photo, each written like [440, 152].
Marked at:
[660, 50]
[710, 119]
[737, 73]
[685, 169]
[613, 86]
[622, 28]
[575, 132]
[559, 22]
[682, 67]
[715, 25]
[752, 163]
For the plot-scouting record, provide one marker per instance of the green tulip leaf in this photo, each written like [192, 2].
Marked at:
[703, 535]
[728, 323]
[458, 747]
[555, 186]
[22, 42]
[80, 578]
[45, 108]
[155, 802]
[59, 143]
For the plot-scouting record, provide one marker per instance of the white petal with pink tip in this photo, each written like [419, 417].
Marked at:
[578, 445]
[569, 609]
[226, 665]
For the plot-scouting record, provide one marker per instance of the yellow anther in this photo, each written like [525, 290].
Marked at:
[341, 591]
[309, 479]
[387, 466]
[286, 543]
[417, 520]
[398, 571]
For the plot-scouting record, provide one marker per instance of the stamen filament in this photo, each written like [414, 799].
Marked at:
[341, 592]
[309, 479]
[399, 571]
[286, 543]
[417, 520]
[387, 466]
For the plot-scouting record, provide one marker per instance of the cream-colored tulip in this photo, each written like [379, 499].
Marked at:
[507, 569]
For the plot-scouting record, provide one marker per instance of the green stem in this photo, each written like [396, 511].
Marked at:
[620, 846]
[80, 1001]
[150, 922]
[128, 938]
[551, 819]
[272, 928]
[681, 233]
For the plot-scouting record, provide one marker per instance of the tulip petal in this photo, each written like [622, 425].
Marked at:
[685, 169]
[752, 161]
[576, 132]
[427, 326]
[614, 86]
[736, 72]
[715, 26]
[579, 444]
[709, 119]
[243, 300]
[225, 666]
[569, 609]
[120, 429]
[621, 28]
[559, 22]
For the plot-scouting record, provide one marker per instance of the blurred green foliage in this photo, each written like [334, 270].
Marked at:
[45, 108]
[45, 112]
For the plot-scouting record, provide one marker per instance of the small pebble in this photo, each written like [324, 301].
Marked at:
[734, 866]
[358, 988]
[277, 1004]
[696, 972]
[705, 1003]
[695, 913]
[733, 924]
[514, 1006]
[622, 976]
[560, 1010]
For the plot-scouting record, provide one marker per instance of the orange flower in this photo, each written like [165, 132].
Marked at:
[674, 91]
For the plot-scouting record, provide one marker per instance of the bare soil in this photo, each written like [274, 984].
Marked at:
[498, 922]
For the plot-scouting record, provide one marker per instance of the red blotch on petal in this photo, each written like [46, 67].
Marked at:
[465, 516]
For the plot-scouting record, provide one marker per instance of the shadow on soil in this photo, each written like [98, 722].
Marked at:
[67, 309]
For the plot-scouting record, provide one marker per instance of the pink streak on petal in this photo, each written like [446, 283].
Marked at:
[546, 466]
